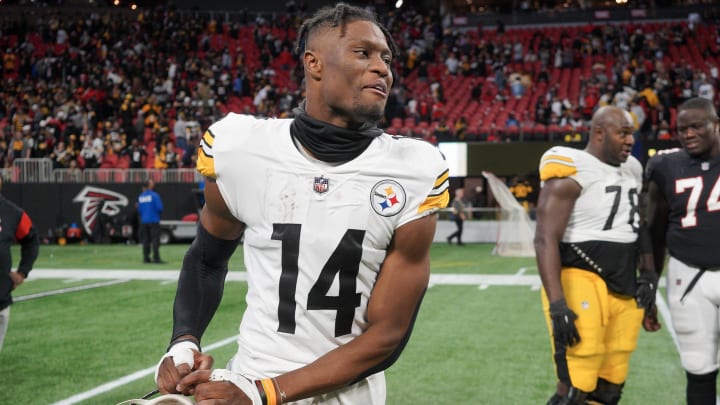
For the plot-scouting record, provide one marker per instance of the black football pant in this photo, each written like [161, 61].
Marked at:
[150, 237]
[458, 233]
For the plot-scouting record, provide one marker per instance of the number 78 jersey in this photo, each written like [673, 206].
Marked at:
[316, 234]
[607, 209]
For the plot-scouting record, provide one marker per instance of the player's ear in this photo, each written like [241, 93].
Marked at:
[313, 64]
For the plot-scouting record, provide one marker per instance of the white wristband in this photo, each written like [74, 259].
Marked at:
[182, 353]
[246, 386]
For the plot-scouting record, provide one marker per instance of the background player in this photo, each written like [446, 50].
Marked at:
[585, 243]
[338, 220]
[683, 189]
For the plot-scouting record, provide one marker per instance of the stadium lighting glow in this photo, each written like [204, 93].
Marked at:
[398, 3]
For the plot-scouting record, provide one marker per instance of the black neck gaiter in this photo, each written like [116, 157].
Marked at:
[328, 142]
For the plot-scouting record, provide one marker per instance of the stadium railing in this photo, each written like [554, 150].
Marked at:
[36, 170]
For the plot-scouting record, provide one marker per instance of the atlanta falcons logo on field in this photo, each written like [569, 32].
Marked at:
[95, 199]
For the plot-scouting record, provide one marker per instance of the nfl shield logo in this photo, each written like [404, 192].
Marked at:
[321, 184]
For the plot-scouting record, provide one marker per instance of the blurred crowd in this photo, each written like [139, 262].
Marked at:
[136, 89]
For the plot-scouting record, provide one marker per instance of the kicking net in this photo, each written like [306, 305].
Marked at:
[515, 229]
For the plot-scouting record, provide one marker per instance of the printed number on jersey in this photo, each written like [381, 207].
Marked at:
[634, 216]
[343, 263]
[695, 186]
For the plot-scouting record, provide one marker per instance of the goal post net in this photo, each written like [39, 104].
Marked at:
[515, 229]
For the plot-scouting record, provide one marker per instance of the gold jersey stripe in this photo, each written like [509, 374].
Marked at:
[207, 141]
[441, 178]
[205, 164]
[209, 138]
[551, 170]
[558, 157]
[435, 202]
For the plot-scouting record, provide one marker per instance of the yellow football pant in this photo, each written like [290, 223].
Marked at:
[608, 324]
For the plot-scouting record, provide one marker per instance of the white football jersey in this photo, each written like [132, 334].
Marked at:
[607, 209]
[316, 235]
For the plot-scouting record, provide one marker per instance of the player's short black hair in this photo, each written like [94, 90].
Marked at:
[699, 103]
[338, 15]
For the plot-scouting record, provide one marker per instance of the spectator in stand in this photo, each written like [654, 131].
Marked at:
[452, 64]
[443, 133]
[167, 157]
[90, 155]
[180, 130]
[190, 154]
[512, 121]
[706, 90]
[137, 154]
[62, 155]
[460, 128]
[517, 88]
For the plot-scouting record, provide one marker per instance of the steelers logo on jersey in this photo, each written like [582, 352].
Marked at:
[387, 198]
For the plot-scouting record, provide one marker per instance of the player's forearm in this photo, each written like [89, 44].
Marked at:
[548, 261]
[201, 283]
[30, 248]
[657, 232]
[196, 300]
[342, 366]
[391, 315]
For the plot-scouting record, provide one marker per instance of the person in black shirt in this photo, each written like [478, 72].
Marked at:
[137, 154]
[16, 226]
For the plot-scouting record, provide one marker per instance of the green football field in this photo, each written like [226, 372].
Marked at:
[93, 337]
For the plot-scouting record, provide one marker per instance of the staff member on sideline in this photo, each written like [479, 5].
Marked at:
[150, 207]
[16, 226]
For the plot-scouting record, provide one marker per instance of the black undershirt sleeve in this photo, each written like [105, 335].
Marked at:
[201, 283]
[30, 248]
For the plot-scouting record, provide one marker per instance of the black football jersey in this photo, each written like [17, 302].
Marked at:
[692, 189]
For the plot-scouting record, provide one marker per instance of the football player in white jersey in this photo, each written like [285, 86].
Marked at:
[588, 222]
[338, 219]
[683, 189]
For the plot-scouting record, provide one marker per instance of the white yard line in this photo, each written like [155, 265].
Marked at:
[68, 289]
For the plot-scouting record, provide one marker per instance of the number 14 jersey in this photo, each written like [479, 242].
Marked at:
[316, 234]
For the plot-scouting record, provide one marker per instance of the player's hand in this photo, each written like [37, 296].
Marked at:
[650, 321]
[647, 284]
[17, 278]
[179, 361]
[563, 324]
[220, 386]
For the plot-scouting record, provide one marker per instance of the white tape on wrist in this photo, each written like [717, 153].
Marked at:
[182, 353]
[245, 385]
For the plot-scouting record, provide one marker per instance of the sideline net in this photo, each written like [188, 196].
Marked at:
[515, 229]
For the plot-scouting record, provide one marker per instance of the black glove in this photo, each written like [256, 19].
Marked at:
[647, 284]
[563, 324]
